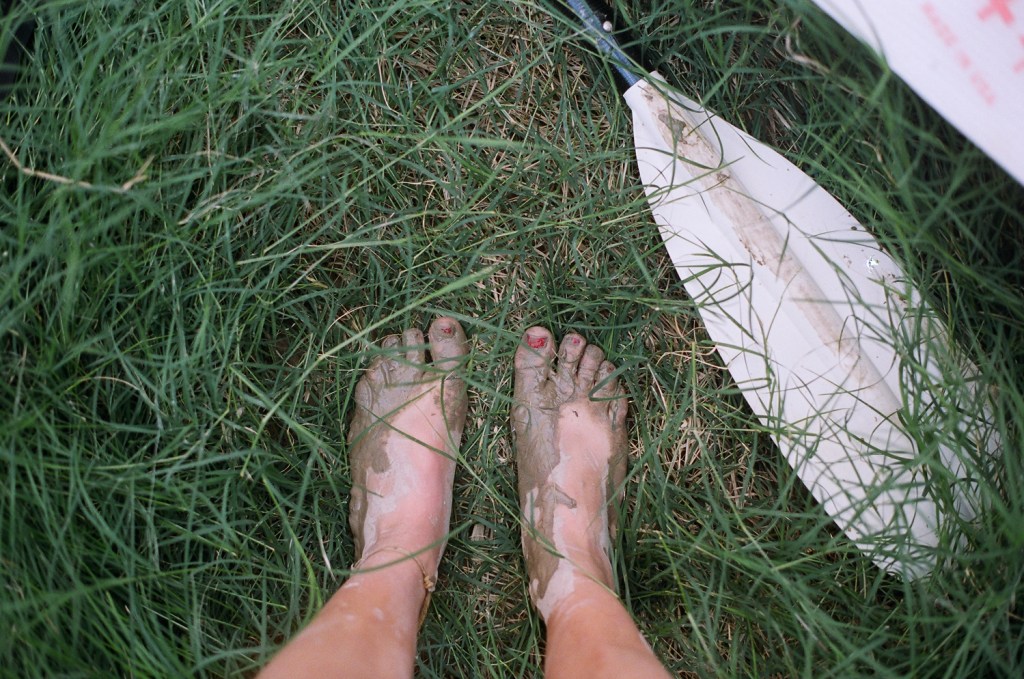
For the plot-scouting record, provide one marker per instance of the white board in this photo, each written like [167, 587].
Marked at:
[964, 57]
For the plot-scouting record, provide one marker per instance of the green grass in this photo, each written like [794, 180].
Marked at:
[177, 357]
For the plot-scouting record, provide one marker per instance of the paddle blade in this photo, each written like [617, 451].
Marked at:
[833, 349]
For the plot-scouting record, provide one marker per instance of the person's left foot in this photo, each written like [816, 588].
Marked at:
[403, 444]
[569, 423]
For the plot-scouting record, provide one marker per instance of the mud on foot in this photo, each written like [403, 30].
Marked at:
[403, 443]
[569, 424]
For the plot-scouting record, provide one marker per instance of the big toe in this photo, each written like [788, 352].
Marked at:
[533, 359]
[448, 343]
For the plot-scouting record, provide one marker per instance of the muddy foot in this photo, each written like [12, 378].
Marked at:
[570, 437]
[403, 444]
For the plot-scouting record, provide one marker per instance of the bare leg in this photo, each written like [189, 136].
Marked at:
[402, 446]
[571, 448]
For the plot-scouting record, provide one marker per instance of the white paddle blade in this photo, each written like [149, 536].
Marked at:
[829, 343]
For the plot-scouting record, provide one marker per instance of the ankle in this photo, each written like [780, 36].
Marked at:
[414, 538]
[588, 560]
[399, 563]
[573, 581]
[396, 585]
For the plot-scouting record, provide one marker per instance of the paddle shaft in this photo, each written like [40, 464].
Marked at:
[598, 24]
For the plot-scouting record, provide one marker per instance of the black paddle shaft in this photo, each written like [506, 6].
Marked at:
[13, 48]
[598, 23]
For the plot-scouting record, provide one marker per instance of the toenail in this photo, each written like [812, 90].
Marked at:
[447, 330]
[536, 342]
[576, 340]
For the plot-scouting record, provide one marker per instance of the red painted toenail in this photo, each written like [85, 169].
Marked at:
[447, 330]
[576, 340]
[536, 342]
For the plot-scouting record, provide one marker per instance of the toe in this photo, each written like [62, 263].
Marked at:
[536, 350]
[617, 408]
[385, 364]
[448, 343]
[415, 347]
[616, 489]
[364, 393]
[569, 354]
[593, 356]
[533, 360]
[607, 382]
[375, 371]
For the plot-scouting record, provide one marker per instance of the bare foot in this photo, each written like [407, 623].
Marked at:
[570, 437]
[404, 440]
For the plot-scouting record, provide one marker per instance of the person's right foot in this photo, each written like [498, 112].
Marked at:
[569, 424]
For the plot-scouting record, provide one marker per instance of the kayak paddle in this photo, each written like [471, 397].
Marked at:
[833, 348]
